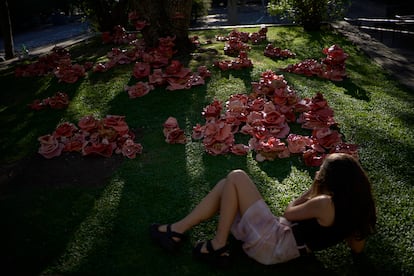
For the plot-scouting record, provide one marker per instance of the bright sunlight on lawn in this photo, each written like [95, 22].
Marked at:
[92, 217]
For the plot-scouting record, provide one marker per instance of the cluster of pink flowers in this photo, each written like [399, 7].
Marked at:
[255, 37]
[332, 67]
[242, 61]
[265, 116]
[173, 133]
[175, 76]
[43, 66]
[234, 46]
[276, 52]
[59, 62]
[235, 41]
[58, 101]
[91, 137]
[118, 56]
[70, 73]
[118, 36]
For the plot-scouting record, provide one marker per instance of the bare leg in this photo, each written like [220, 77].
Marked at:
[238, 194]
[235, 193]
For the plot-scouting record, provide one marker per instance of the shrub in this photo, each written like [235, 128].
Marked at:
[308, 13]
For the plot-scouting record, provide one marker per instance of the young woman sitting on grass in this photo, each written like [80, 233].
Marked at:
[338, 206]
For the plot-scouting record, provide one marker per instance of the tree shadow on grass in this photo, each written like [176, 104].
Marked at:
[353, 90]
[21, 124]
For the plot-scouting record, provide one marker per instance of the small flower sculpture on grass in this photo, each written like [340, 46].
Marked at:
[58, 101]
[241, 62]
[332, 67]
[91, 137]
[276, 52]
[173, 133]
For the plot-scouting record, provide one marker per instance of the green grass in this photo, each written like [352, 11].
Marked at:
[74, 230]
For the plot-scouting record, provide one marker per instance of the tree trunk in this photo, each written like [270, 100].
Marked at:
[109, 14]
[232, 12]
[166, 18]
[6, 29]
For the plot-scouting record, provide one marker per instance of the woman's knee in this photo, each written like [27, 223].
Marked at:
[237, 175]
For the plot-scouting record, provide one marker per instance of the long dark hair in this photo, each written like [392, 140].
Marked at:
[342, 177]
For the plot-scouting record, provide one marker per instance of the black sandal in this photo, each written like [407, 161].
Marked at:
[219, 258]
[166, 239]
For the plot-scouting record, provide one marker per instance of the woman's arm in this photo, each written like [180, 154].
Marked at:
[319, 207]
[301, 199]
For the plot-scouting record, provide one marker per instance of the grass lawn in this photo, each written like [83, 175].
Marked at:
[102, 229]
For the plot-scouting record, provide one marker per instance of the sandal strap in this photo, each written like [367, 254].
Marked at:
[217, 252]
[173, 234]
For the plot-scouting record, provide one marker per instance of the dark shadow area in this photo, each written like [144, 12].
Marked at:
[38, 222]
[67, 170]
[243, 74]
[281, 168]
[353, 90]
[23, 123]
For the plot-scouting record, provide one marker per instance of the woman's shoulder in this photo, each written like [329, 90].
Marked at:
[326, 208]
[322, 199]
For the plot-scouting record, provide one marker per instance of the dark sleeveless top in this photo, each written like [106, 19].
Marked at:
[316, 237]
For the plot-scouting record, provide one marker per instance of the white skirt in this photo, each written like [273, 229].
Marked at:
[266, 238]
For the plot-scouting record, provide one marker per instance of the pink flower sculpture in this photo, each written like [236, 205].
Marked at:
[65, 130]
[130, 149]
[234, 46]
[276, 52]
[137, 20]
[139, 89]
[92, 136]
[88, 123]
[116, 122]
[157, 78]
[49, 146]
[44, 65]
[213, 110]
[332, 67]
[176, 69]
[269, 148]
[118, 36]
[351, 149]
[172, 132]
[255, 37]
[69, 73]
[242, 61]
[141, 70]
[218, 137]
[313, 158]
[58, 101]
[298, 143]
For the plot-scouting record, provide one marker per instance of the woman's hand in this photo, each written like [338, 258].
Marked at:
[303, 198]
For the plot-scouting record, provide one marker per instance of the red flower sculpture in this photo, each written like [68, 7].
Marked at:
[172, 132]
[141, 70]
[58, 101]
[242, 61]
[49, 146]
[276, 52]
[332, 67]
[139, 89]
[100, 137]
